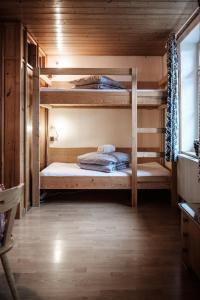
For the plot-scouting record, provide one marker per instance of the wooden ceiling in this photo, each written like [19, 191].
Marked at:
[100, 27]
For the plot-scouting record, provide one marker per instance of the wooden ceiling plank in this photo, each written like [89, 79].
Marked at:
[88, 4]
[173, 10]
[100, 27]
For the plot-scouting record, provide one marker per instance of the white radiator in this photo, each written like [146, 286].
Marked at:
[188, 185]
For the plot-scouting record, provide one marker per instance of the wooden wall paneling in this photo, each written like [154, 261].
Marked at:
[35, 159]
[134, 137]
[12, 102]
[14, 106]
[1, 105]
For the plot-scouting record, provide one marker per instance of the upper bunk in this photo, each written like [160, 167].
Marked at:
[53, 97]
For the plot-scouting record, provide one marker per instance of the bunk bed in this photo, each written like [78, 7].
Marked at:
[62, 171]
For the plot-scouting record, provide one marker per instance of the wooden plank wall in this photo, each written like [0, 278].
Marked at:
[1, 106]
[13, 105]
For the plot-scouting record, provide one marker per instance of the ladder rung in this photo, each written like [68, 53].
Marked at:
[150, 154]
[151, 130]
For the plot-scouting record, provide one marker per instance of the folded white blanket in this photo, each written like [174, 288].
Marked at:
[107, 169]
[106, 148]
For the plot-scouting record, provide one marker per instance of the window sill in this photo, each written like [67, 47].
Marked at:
[189, 155]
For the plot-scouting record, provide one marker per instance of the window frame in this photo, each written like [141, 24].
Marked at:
[193, 22]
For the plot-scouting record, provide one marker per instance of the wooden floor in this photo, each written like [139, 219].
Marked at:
[88, 246]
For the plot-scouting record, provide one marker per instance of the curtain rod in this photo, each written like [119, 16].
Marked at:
[188, 22]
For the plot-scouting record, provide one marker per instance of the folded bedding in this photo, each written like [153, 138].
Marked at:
[97, 82]
[104, 162]
[97, 86]
[103, 159]
[102, 168]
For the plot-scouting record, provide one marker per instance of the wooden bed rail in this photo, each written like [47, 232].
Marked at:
[86, 71]
[69, 155]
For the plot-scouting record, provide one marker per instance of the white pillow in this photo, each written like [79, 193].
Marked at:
[106, 148]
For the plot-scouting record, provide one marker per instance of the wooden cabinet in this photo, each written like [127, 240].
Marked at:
[190, 231]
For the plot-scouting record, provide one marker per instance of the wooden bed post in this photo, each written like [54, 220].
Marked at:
[134, 136]
[35, 138]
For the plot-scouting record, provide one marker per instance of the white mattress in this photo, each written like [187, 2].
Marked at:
[72, 169]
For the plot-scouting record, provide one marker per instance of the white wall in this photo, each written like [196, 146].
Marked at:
[150, 68]
[90, 127]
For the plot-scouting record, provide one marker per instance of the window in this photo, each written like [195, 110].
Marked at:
[189, 57]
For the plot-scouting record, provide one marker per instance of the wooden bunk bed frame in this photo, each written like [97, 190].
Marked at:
[125, 98]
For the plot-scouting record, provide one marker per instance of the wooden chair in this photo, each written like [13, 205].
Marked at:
[9, 199]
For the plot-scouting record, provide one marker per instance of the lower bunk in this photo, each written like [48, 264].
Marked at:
[60, 175]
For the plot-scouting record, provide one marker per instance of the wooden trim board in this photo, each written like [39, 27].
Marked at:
[35, 139]
[85, 71]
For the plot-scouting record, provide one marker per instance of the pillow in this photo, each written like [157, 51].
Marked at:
[106, 148]
[97, 79]
[86, 80]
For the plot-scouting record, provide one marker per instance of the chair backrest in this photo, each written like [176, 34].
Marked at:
[9, 199]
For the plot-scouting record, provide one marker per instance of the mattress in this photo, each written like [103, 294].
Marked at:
[72, 169]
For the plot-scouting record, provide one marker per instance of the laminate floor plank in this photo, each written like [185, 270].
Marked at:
[94, 246]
